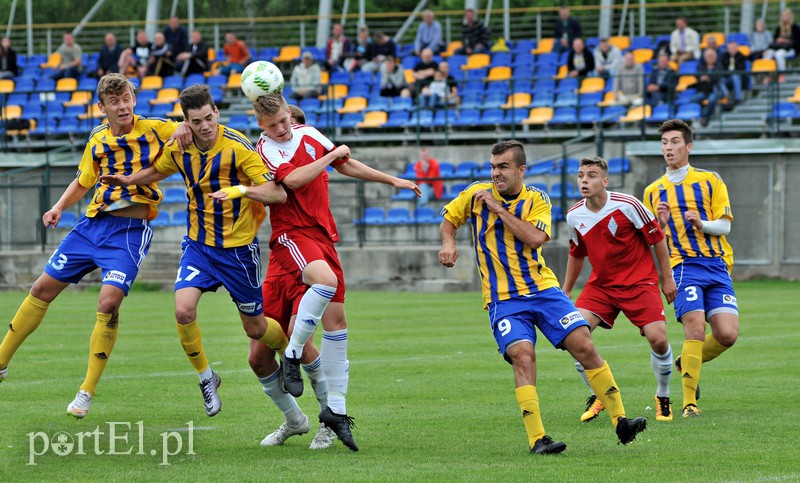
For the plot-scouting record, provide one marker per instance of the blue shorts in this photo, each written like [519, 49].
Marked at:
[237, 269]
[704, 284]
[550, 310]
[114, 244]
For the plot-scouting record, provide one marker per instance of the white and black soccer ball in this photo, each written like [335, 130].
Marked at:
[261, 78]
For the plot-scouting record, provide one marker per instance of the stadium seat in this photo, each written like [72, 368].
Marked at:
[524, 47]
[240, 122]
[161, 220]
[637, 113]
[622, 42]
[426, 215]
[684, 82]
[612, 114]
[592, 84]
[397, 119]
[446, 169]
[589, 115]
[569, 85]
[542, 99]
[501, 59]
[340, 77]
[68, 220]
[173, 82]
[45, 84]
[398, 216]
[288, 53]
[468, 117]
[492, 117]
[351, 120]
[372, 216]
[572, 191]
[353, 105]
[66, 84]
[545, 46]
[783, 110]
[516, 100]
[642, 42]
[539, 115]
[661, 113]
[268, 53]
[404, 195]
[466, 169]
[688, 112]
[720, 37]
[234, 81]
[566, 99]
[477, 61]
[763, 65]
[590, 100]
[642, 56]
[174, 195]
[538, 186]
[80, 98]
[151, 82]
[564, 115]
[739, 37]
[11, 112]
[53, 61]
[401, 104]
[378, 104]
[409, 172]
[619, 165]
[688, 67]
[493, 101]
[166, 96]
[500, 87]
[373, 119]
[194, 79]
[540, 168]
[178, 218]
[515, 116]
[557, 214]
[451, 49]
[335, 91]
[422, 118]
[454, 191]
[471, 100]
[499, 74]
[6, 86]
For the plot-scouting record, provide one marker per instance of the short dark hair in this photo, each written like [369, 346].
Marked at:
[511, 144]
[195, 97]
[596, 161]
[297, 114]
[677, 125]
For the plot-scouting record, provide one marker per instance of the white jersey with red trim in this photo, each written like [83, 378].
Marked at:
[308, 206]
[616, 239]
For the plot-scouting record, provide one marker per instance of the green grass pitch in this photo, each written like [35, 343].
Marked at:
[431, 398]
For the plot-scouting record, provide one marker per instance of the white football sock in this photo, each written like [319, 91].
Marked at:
[207, 374]
[318, 381]
[284, 401]
[336, 367]
[309, 313]
[662, 369]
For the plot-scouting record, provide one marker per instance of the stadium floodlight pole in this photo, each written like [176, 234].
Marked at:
[323, 22]
[488, 15]
[362, 9]
[151, 17]
[746, 20]
[604, 28]
[86, 18]
[506, 19]
[11, 17]
[29, 15]
[174, 8]
[345, 8]
[402, 30]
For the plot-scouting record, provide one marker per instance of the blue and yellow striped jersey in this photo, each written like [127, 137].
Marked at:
[702, 191]
[507, 267]
[126, 154]
[230, 162]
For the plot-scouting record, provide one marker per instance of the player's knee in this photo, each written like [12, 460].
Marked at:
[727, 338]
[254, 331]
[185, 314]
[262, 362]
[522, 360]
[659, 345]
[108, 306]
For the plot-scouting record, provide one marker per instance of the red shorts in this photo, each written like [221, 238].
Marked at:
[282, 293]
[294, 250]
[641, 304]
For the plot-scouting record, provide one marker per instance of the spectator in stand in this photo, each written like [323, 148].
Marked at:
[661, 83]
[428, 167]
[424, 71]
[580, 63]
[733, 60]
[452, 95]
[709, 84]
[628, 82]
[607, 58]
[429, 34]
[338, 46]
[474, 35]
[362, 51]
[567, 29]
[135, 58]
[177, 37]
[237, 55]
[195, 59]
[108, 58]
[684, 42]
[393, 79]
[306, 78]
[71, 59]
[8, 59]
[760, 40]
[382, 47]
[787, 41]
[160, 61]
[435, 94]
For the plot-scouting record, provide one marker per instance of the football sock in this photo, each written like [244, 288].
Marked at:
[662, 368]
[192, 343]
[712, 349]
[691, 363]
[104, 336]
[579, 368]
[28, 317]
[604, 385]
[335, 367]
[318, 382]
[528, 401]
[284, 401]
[274, 337]
[309, 313]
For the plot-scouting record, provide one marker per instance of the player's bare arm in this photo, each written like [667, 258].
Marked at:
[145, 176]
[449, 253]
[662, 213]
[668, 287]
[574, 267]
[182, 136]
[356, 169]
[522, 230]
[268, 193]
[71, 195]
[305, 174]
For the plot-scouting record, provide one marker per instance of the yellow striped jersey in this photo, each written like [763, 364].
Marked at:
[702, 191]
[126, 154]
[230, 162]
[507, 267]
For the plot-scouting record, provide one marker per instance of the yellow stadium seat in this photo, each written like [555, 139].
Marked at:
[744, 49]
[592, 84]
[66, 84]
[409, 75]
[517, 99]
[539, 115]
[151, 82]
[92, 112]
[622, 42]
[718, 35]
[53, 61]
[637, 113]
[6, 86]
[166, 96]
[673, 65]
[176, 110]
[684, 82]
[562, 72]
[353, 104]
[795, 97]
[324, 78]
[12, 112]
[212, 54]
[477, 61]
[499, 73]
[608, 100]
[80, 98]
[545, 46]
[452, 47]
[335, 91]
[373, 119]
[288, 53]
[764, 65]
[234, 81]
[640, 56]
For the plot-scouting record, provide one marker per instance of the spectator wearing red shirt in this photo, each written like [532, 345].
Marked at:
[428, 167]
[237, 55]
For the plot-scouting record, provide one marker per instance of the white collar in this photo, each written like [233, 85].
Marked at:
[678, 175]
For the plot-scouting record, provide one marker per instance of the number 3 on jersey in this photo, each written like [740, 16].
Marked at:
[192, 273]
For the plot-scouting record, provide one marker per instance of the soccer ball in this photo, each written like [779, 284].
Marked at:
[261, 78]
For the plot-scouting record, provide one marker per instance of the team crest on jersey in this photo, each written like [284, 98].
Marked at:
[570, 319]
[283, 153]
[730, 300]
[115, 276]
[311, 151]
[612, 226]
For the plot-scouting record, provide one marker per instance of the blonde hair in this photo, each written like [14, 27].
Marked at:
[270, 104]
[297, 114]
[113, 84]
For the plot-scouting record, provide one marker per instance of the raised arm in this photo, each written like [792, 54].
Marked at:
[268, 193]
[71, 195]
[305, 174]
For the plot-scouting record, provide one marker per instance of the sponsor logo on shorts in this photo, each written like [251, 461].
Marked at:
[249, 307]
[571, 318]
[729, 299]
[115, 276]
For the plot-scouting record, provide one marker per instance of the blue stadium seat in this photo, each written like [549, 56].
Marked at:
[589, 115]
[515, 116]
[539, 186]
[619, 165]
[501, 59]
[426, 215]
[454, 190]
[738, 37]
[398, 216]
[492, 116]
[546, 85]
[494, 100]
[340, 77]
[466, 169]
[310, 104]
[523, 48]
[685, 97]
[160, 110]
[350, 120]
[468, 117]
[688, 67]
[401, 104]
[88, 84]
[372, 216]
[330, 106]
[566, 99]
[455, 62]
[68, 220]
[570, 84]
[572, 191]
[784, 110]
[687, 112]
[498, 87]
[477, 73]
[485, 171]
[178, 218]
[45, 84]
[557, 214]
[591, 43]
[378, 103]
[404, 195]
[161, 220]
[642, 42]
[520, 86]
[614, 113]
[173, 178]
[74, 111]
[540, 168]
[409, 61]
[564, 115]
[542, 98]
[590, 100]
[474, 86]
[523, 65]
[361, 77]
[545, 71]
[471, 100]
[240, 122]
[45, 127]
[422, 118]
[660, 113]
[268, 53]
[549, 58]
[397, 119]
[174, 82]
[194, 79]
[572, 166]
[359, 90]
[144, 97]
[16, 99]
[68, 125]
